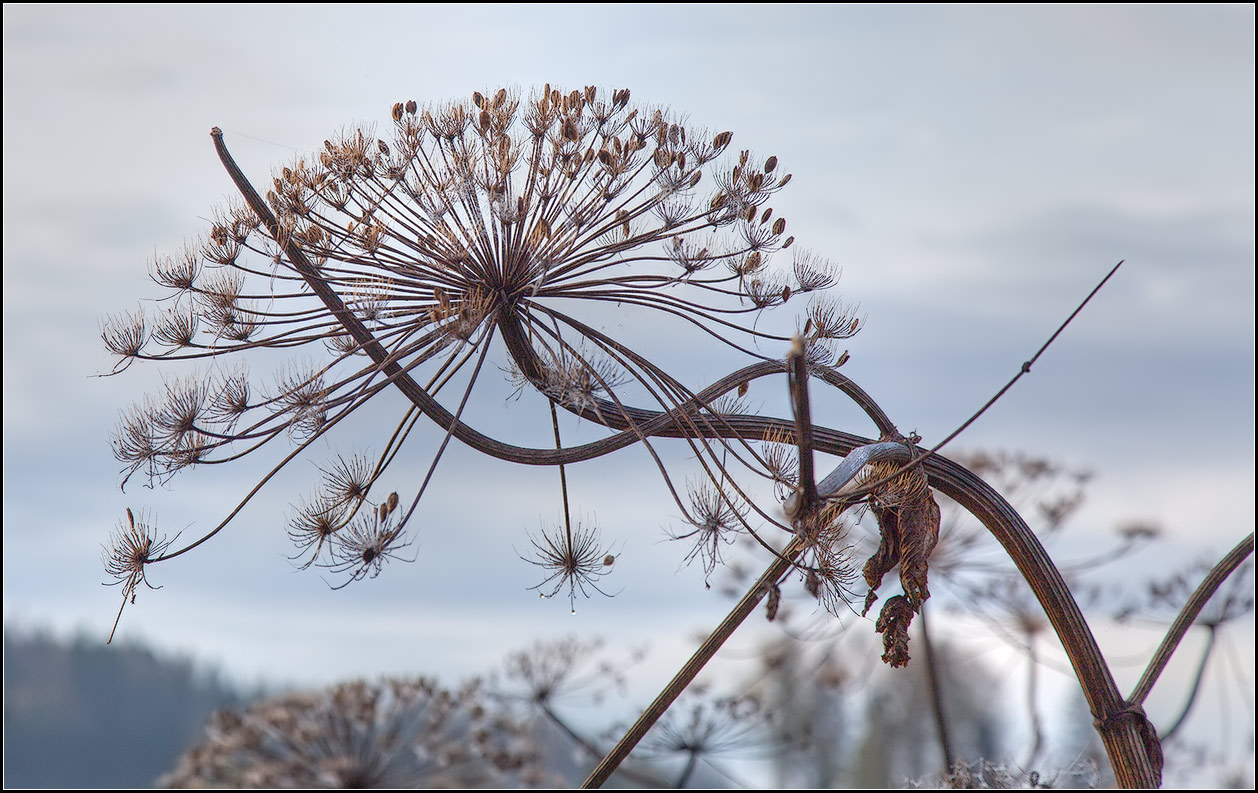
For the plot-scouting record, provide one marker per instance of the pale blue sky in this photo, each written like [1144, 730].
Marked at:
[974, 170]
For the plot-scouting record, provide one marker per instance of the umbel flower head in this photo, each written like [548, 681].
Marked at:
[133, 545]
[403, 259]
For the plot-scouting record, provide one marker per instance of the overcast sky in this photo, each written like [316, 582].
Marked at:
[974, 170]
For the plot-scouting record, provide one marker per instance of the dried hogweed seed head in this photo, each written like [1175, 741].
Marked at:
[827, 558]
[125, 335]
[312, 524]
[132, 546]
[362, 547]
[177, 327]
[813, 272]
[347, 480]
[716, 517]
[179, 272]
[475, 218]
[574, 559]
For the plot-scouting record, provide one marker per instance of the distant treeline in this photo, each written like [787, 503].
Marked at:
[82, 714]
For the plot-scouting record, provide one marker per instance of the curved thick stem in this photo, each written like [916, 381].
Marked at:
[1122, 731]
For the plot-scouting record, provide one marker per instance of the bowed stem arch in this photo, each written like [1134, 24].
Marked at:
[1125, 731]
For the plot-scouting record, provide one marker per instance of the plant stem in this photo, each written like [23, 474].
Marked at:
[1196, 683]
[1196, 602]
[936, 693]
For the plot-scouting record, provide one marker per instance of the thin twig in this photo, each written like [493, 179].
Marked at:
[1026, 365]
[1024, 369]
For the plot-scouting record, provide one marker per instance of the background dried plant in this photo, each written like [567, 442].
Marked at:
[981, 603]
[384, 734]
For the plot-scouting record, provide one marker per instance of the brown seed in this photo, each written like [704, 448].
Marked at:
[842, 359]
[770, 164]
[779, 225]
[743, 388]
[397, 112]
[478, 99]
[411, 107]
[392, 502]
[609, 560]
